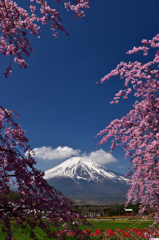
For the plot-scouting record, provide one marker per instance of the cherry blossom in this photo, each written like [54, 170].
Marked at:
[17, 23]
[36, 196]
[138, 131]
[17, 166]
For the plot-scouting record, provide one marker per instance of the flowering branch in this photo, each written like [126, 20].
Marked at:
[16, 22]
[138, 131]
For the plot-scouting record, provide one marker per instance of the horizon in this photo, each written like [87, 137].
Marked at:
[60, 106]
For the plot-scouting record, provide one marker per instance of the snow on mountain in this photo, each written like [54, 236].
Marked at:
[78, 168]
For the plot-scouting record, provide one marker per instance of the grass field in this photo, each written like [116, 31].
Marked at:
[95, 224]
[101, 224]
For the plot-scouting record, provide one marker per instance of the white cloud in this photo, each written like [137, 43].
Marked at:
[61, 153]
[48, 153]
[102, 157]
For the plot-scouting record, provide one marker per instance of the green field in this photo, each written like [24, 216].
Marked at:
[95, 224]
[102, 224]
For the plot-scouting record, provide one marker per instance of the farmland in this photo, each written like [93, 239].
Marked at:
[105, 229]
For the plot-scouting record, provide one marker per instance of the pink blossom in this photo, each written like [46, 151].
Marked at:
[16, 23]
[138, 131]
[17, 163]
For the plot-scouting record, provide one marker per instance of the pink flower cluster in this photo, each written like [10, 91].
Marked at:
[16, 22]
[138, 131]
[79, 4]
[36, 196]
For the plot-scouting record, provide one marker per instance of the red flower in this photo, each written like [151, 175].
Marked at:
[110, 233]
[70, 234]
[97, 233]
[86, 231]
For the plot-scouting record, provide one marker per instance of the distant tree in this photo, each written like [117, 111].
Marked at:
[12, 196]
[17, 167]
[138, 131]
[105, 211]
[35, 195]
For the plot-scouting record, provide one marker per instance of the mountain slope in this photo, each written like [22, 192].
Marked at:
[84, 180]
[77, 168]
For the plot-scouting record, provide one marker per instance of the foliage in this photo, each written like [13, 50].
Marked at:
[138, 131]
[16, 23]
[36, 197]
[101, 230]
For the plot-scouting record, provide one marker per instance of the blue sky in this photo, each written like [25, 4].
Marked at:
[60, 106]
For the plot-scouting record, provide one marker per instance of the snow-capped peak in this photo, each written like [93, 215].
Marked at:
[82, 168]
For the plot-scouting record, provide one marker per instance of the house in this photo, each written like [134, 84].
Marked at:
[129, 212]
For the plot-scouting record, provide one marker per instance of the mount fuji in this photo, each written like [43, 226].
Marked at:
[86, 181]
